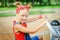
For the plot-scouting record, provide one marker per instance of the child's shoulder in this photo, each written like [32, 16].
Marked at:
[14, 19]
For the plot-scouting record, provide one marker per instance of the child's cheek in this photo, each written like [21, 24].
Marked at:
[22, 18]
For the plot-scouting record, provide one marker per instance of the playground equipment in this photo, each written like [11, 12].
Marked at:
[54, 28]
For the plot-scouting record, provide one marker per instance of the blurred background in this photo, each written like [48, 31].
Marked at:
[10, 3]
[51, 8]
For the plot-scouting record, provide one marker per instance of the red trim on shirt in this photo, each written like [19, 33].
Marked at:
[21, 35]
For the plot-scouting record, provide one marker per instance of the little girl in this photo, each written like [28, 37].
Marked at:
[20, 29]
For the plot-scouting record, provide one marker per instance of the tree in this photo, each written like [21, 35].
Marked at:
[57, 2]
[49, 3]
[5, 3]
[27, 1]
[2, 2]
[40, 2]
[10, 2]
[32, 1]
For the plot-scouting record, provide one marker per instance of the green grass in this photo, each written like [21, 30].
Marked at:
[35, 7]
[35, 12]
[47, 6]
[6, 14]
[30, 13]
[6, 8]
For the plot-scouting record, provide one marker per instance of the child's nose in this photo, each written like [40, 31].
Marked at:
[24, 18]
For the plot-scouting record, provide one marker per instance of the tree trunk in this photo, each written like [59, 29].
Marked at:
[40, 2]
[32, 1]
[49, 2]
[5, 3]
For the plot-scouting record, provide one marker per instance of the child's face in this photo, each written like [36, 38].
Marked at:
[23, 15]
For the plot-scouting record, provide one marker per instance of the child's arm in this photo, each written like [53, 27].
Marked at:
[35, 18]
[19, 27]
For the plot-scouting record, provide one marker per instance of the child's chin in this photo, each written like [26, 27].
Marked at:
[23, 20]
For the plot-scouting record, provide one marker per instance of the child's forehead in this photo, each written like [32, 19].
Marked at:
[23, 12]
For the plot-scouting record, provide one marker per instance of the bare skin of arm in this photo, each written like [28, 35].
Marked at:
[34, 18]
[19, 27]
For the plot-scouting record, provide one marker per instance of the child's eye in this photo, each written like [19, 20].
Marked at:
[26, 16]
[23, 15]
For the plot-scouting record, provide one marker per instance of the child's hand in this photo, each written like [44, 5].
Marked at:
[42, 16]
